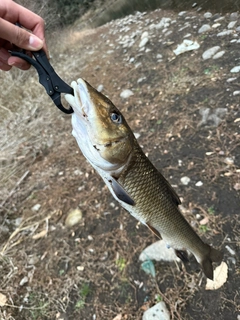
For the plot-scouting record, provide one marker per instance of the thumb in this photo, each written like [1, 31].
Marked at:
[19, 36]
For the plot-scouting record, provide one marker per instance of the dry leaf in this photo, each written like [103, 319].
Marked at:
[220, 275]
[204, 221]
[118, 317]
[3, 300]
[40, 234]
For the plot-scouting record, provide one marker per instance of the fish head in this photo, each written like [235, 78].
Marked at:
[101, 131]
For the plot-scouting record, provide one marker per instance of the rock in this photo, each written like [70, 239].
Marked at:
[210, 52]
[231, 24]
[186, 45]
[224, 33]
[73, 218]
[212, 118]
[158, 251]
[229, 161]
[100, 88]
[36, 207]
[233, 16]
[182, 13]
[204, 28]
[23, 281]
[218, 55]
[207, 15]
[185, 180]
[126, 94]
[157, 312]
[230, 250]
[235, 69]
[144, 35]
[143, 42]
[199, 184]
[236, 93]
[216, 25]
[231, 79]
[164, 23]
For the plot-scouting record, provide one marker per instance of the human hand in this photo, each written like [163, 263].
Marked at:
[10, 34]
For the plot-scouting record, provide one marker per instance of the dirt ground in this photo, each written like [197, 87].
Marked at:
[91, 270]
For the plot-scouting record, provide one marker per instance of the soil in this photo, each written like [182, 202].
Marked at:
[91, 270]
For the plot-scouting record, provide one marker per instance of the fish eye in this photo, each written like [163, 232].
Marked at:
[116, 118]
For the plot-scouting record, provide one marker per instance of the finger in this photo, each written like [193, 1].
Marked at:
[19, 36]
[4, 66]
[19, 63]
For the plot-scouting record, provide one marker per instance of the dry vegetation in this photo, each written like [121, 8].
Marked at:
[49, 271]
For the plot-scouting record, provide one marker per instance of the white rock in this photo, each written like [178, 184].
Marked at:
[216, 25]
[199, 184]
[231, 24]
[238, 29]
[233, 16]
[185, 180]
[236, 93]
[144, 35]
[231, 79]
[159, 56]
[207, 15]
[157, 312]
[164, 23]
[137, 135]
[224, 33]
[158, 251]
[23, 281]
[73, 217]
[235, 69]
[218, 55]
[210, 52]
[143, 42]
[204, 28]
[186, 45]
[230, 250]
[126, 94]
[182, 13]
[36, 207]
[100, 88]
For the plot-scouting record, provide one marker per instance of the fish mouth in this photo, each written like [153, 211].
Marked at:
[80, 100]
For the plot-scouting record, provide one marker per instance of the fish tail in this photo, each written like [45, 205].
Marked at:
[206, 263]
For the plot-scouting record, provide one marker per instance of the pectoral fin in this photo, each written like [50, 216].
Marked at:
[154, 230]
[181, 254]
[120, 193]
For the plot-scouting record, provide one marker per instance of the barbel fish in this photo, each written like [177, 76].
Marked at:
[108, 143]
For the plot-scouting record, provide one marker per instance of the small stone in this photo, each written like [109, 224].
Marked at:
[144, 35]
[238, 29]
[210, 52]
[185, 180]
[36, 207]
[158, 251]
[224, 33]
[157, 312]
[182, 13]
[216, 25]
[80, 268]
[218, 54]
[231, 24]
[236, 93]
[235, 69]
[186, 45]
[143, 42]
[231, 79]
[73, 218]
[100, 88]
[207, 15]
[159, 56]
[204, 28]
[233, 16]
[229, 161]
[199, 184]
[126, 94]
[230, 250]
[23, 281]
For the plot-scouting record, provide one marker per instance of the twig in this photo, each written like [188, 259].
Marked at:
[12, 191]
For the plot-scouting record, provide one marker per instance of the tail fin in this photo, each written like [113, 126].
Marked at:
[206, 263]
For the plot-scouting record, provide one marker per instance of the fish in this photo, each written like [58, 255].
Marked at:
[109, 145]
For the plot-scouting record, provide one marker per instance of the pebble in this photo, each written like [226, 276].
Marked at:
[218, 55]
[126, 94]
[36, 207]
[231, 79]
[207, 15]
[235, 69]
[143, 42]
[236, 93]
[23, 281]
[158, 312]
[73, 218]
[231, 24]
[230, 250]
[186, 45]
[100, 88]
[185, 180]
[204, 28]
[199, 184]
[224, 33]
[233, 16]
[158, 251]
[216, 25]
[182, 13]
[210, 52]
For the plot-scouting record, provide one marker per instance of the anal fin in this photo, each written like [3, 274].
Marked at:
[120, 193]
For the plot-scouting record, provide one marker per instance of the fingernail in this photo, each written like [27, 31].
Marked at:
[4, 55]
[35, 43]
